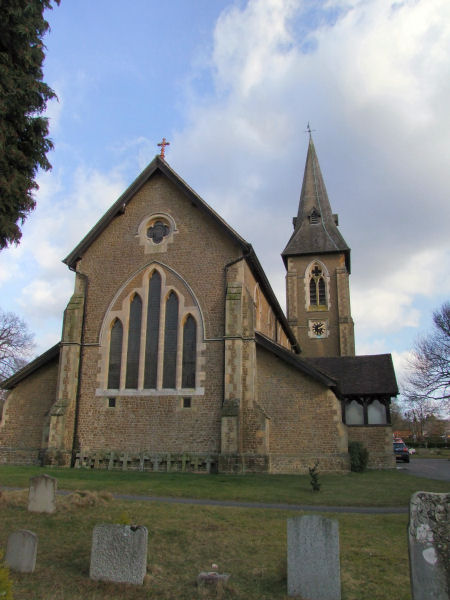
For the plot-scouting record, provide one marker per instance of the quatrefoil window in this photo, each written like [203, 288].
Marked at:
[158, 231]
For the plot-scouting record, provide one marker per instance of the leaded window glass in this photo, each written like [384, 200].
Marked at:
[152, 334]
[170, 342]
[189, 352]
[115, 355]
[134, 342]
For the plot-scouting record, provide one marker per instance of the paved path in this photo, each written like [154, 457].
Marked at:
[369, 510]
[431, 468]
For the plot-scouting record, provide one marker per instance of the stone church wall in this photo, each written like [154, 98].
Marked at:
[378, 441]
[197, 255]
[305, 419]
[24, 423]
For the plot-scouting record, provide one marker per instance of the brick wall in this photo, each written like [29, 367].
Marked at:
[25, 416]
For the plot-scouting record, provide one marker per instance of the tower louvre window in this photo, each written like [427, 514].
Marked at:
[115, 355]
[314, 217]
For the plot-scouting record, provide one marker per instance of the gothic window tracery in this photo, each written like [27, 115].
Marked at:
[317, 288]
[154, 347]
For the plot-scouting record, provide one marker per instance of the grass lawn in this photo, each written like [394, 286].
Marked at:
[184, 540]
[373, 488]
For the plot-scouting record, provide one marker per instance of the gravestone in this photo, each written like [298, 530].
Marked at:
[42, 494]
[21, 551]
[119, 553]
[313, 570]
[429, 546]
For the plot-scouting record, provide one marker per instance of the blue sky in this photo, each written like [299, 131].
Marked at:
[232, 85]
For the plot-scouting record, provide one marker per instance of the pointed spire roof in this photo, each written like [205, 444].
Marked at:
[315, 227]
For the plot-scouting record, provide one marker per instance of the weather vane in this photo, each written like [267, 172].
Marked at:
[309, 130]
[163, 145]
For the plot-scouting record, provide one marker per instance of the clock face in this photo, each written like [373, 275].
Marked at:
[319, 328]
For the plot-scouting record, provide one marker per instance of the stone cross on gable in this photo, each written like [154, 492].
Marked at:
[163, 145]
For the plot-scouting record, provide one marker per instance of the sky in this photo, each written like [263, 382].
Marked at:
[232, 84]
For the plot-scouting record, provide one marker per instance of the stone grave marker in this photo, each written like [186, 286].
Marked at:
[429, 546]
[119, 553]
[21, 551]
[42, 494]
[313, 570]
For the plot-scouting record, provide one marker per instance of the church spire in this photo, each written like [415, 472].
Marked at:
[315, 227]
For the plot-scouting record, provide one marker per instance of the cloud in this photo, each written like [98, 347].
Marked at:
[373, 77]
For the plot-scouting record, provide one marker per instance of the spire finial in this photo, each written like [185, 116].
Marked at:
[309, 130]
[163, 145]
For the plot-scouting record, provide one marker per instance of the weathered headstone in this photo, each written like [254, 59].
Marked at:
[21, 551]
[42, 494]
[313, 570]
[119, 553]
[429, 546]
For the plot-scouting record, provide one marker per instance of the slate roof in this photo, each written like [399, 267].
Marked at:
[294, 360]
[158, 165]
[31, 367]
[371, 375]
[320, 235]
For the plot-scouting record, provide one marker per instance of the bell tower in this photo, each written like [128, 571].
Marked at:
[317, 260]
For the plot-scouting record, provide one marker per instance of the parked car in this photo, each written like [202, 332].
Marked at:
[401, 451]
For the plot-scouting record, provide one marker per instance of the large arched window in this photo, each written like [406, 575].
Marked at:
[151, 339]
[115, 355]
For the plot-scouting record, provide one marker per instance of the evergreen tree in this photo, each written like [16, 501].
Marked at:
[23, 98]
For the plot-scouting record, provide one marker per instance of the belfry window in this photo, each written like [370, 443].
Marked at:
[153, 345]
[317, 288]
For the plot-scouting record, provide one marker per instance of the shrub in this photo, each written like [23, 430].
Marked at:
[359, 456]
[314, 477]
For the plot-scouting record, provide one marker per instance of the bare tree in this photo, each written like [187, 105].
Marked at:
[429, 376]
[16, 344]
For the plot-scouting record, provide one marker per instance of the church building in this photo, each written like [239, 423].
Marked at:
[175, 354]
